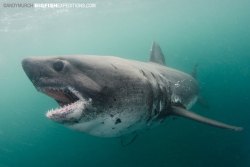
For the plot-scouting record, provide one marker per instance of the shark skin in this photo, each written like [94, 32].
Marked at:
[109, 96]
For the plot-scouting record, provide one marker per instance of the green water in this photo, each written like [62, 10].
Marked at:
[215, 34]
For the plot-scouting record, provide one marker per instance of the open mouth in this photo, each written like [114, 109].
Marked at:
[70, 101]
[63, 96]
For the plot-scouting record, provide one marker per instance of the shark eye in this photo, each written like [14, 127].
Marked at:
[58, 65]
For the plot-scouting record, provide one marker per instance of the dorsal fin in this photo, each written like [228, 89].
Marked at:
[156, 54]
[194, 72]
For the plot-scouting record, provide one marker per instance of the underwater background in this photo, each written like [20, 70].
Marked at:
[214, 34]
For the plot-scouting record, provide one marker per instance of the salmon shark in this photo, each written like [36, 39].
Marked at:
[108, 96]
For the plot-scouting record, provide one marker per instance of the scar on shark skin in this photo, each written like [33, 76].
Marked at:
[118, 120]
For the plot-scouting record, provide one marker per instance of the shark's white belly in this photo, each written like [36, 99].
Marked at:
[118, 124]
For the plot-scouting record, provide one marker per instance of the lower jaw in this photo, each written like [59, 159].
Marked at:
[72, 112]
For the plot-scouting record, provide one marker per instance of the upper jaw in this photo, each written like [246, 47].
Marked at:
[63, 95]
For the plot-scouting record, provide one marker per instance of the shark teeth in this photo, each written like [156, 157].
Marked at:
[76, 93]
[68, 112]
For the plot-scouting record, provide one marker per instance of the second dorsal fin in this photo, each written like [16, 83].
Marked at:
[156, 54]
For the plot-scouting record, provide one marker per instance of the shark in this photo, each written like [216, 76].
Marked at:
[109, 96]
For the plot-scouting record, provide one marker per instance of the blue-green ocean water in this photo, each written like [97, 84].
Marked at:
[215, 34]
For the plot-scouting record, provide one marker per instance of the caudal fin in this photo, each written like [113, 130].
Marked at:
[190, 115]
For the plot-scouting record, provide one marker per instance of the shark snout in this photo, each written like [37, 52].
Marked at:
[28, 67]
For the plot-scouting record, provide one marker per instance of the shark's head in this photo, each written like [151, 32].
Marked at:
[90, 90]
[67, 81]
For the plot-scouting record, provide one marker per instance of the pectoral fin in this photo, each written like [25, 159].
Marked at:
[190, 115]
[128, 139]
